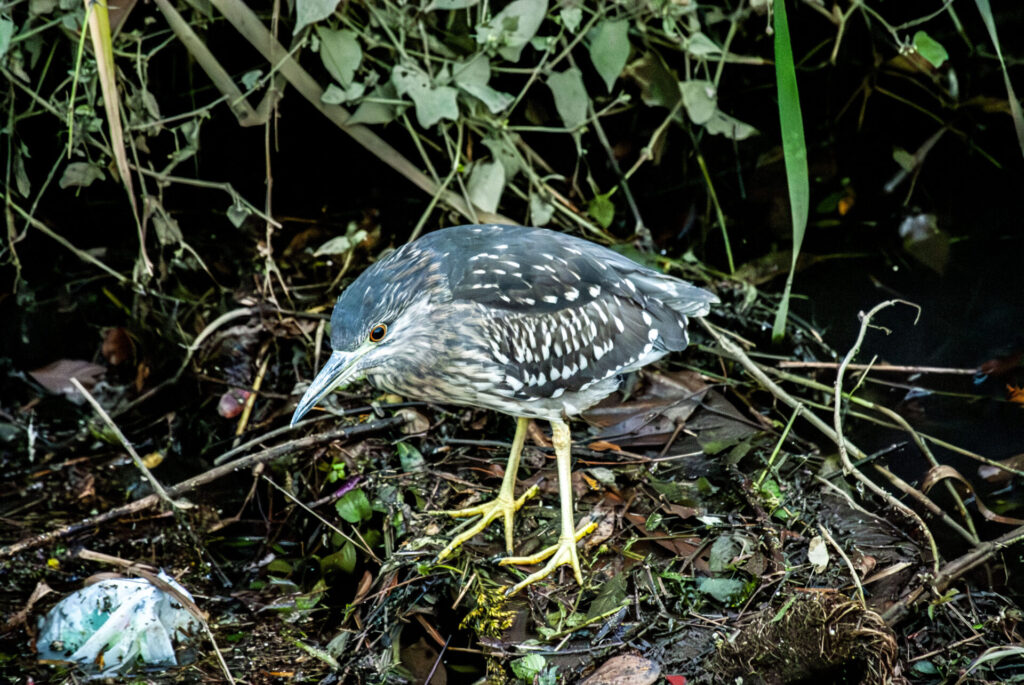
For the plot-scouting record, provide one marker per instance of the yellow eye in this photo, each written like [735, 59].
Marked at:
[378, 332]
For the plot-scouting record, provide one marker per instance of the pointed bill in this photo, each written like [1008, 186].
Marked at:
[338, 370]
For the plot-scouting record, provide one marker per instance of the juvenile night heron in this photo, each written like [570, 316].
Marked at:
[525, 321]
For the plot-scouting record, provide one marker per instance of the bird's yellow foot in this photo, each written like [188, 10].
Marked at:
[564, 552]
[505, 506]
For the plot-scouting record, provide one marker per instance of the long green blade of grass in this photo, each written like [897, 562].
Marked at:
[1015, 109]
[794, 151]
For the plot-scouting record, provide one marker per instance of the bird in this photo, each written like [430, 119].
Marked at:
[528, 322]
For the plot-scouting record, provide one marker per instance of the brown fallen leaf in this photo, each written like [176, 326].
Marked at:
[625, 669]
[117, 346]
[420, 658]
[56, 377]
[994, 474]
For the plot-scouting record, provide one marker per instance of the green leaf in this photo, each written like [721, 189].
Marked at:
[311, 11]
[541, 211]
[700, 100]
[343, 560]
[724, 549]
[609, 49]
[528, 667]
[794, 153]
[610, 597]
[659, 87]
[81, 175]
[473, 76]
[485, 185]
[732, 128]
[725, 590]
[279, 566]
[6, 32]
[354, 506]
[512, 28]
[340, 53]
[653, 520]
[602, 209]
[334, 95]
[409, 456]
[370, 112]
[699, 45]
[237, 213]
[342, 244]
[905, 159]
[503, 151]
[572, 17]
[570, 95]
[925, 668]
[432, 103]
[450, 4]
[930, 49]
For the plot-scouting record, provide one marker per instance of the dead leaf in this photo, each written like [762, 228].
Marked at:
[994, 474]
[141, 374]
[56, 377]
[625, 669]
[20, 617]
[117, 346]
[603, 446]
[941, 472]
[998, 366]
[415, 422]
[606, 514]
[420, 659]
[681, 547]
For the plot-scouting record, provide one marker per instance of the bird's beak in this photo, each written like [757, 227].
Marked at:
[339, 369]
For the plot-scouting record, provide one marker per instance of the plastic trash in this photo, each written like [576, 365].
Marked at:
[116, 627]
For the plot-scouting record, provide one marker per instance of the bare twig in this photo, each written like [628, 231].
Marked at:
[202, 479]
[837, 407]
[139, 464]
[893, 368]
[952, 571]
[734, 351]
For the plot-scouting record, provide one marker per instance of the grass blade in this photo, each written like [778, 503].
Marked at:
[794, 150]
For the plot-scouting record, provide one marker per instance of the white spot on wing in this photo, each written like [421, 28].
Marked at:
[594, 290]
[550, 299]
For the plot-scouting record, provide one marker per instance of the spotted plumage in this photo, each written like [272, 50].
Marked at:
[525, 321]
[521, 320]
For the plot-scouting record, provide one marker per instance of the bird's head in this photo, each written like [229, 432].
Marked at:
[377, 322]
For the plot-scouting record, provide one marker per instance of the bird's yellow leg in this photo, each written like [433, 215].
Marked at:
[505, 505]
[564, 552]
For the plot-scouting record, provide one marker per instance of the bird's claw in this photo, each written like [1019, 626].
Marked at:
[503, 506]
[564, 552]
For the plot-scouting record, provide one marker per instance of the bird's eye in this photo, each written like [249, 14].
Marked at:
[378, 332]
